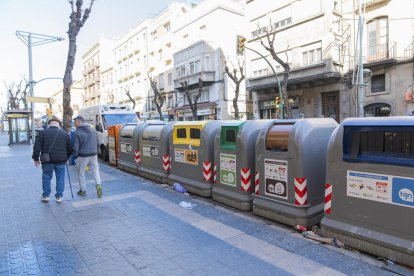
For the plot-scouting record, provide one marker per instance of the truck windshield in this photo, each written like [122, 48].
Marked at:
[115, 119]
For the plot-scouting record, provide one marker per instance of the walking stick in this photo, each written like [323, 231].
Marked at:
[70, 183]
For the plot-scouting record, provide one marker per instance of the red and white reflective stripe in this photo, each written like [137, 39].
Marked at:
[166, 162]
[245, 179]
[328, 198]
[301, 191]
[207, 170]
[256, 183]
[215, 174]
[138, 157]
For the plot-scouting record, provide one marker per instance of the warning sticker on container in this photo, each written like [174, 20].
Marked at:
[126, 147]
[186, 156]
[382, 188]
[276, 173]
[228, 169]
[150, 151]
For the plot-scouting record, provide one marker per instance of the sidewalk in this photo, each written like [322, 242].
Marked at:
[138, 228]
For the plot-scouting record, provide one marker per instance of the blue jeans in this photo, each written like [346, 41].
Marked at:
[47, 175]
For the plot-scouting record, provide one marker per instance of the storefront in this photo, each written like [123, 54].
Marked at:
[268, 109]
[205, 111]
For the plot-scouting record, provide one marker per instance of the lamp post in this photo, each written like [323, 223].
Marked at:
[30, 40]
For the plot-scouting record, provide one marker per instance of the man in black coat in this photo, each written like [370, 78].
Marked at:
[56, 142]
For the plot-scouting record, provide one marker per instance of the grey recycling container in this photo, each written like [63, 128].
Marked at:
[290, 160]
[128, 145]
[234, 168]
[192, 155]
[154, 139]
[369, 196]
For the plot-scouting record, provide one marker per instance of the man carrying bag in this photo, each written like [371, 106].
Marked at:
[52, 149]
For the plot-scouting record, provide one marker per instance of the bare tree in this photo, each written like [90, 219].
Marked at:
[193, 104]
[78, 18]
[269, 45]
[128, 93]
[16, 94]
[237, 81]
[158, 99]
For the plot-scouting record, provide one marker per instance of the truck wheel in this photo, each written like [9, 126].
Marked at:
[105, 153]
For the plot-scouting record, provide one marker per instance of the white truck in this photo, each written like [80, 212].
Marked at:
[104, 116]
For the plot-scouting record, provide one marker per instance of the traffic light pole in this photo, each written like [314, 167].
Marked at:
[281, 108]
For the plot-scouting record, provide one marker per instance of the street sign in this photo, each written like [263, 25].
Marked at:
[39, 100]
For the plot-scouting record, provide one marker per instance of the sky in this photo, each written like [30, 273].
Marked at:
[108, 19]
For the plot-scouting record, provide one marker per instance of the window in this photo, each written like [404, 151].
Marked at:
[195, 133]
[180, 71]
[312, 56]
[170, 102]
[377, 39]
[192, 71]
[170, 79]
[161, 81]
[378, 83]
[377, 110]
[197, 66]
[167, 27]
[181, 133]
[207, 63]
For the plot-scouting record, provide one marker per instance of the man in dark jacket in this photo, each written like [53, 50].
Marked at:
[85, 150]
[59, 152]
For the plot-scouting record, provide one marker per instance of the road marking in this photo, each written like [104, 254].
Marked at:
[276, 256]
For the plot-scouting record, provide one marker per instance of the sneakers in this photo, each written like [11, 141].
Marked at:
[81, 193]
[99, 190]
[59, 199]
[45, 199]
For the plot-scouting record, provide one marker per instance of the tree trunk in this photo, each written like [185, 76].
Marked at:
[235, 102]
[67, 82]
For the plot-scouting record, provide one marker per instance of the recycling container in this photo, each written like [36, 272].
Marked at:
[290, 160]
[192, 150]
[128, 147]
[154, 140]
[113, 135]
[234, 168]
[369, 196]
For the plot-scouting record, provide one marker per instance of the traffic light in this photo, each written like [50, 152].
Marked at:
[277, 102]
[241, 41]
[49, 113]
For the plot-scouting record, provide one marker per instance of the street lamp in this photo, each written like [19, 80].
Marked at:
[32, 39]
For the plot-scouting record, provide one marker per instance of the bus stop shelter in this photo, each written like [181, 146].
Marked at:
[19, 130]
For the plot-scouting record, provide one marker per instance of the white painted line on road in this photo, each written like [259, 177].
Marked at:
[265, 251]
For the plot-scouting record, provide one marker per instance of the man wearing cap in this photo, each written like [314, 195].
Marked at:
[56, 143]
[85, 150]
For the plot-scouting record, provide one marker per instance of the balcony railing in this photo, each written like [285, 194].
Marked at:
[206, 76]
[409, 51]
[381, 52]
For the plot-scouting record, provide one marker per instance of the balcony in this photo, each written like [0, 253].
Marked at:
[88, 69]
[208, 77]
[409, 51]
[381, 53]
[97, 78]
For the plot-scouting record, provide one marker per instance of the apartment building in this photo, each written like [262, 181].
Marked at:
[96, 57]
[314, 38]
[203, 43]
[76, 95]
[388, 50]
[144, 52]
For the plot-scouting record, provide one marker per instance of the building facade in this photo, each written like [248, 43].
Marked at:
[76, 95]
[96, 57]
[203, 45]
[314, 38]
[389, 56]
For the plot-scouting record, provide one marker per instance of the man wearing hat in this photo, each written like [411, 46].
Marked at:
[52, 149]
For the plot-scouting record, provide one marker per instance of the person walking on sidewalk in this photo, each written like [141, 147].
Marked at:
[85, 150]
[52, 149]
